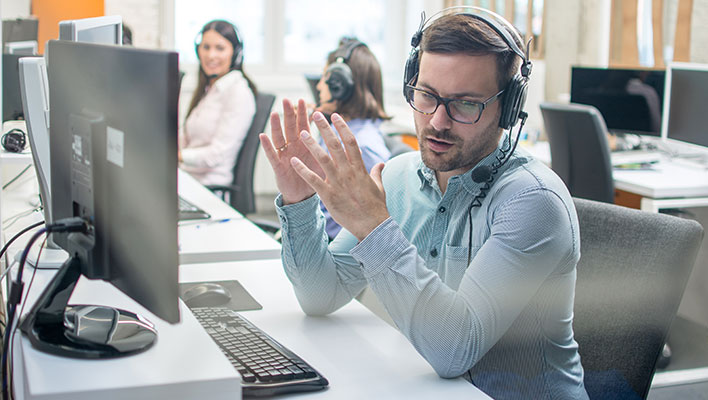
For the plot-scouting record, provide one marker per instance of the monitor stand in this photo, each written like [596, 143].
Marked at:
[83, 331]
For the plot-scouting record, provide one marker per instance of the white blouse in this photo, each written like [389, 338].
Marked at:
[215, 130]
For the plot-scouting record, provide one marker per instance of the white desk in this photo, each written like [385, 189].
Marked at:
[227, 236]
[361, 356]
[673, 183]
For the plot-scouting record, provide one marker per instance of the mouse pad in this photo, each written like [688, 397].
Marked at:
[241, 300]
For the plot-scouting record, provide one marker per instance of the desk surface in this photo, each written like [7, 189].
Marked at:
[227, 236]
[669, 178]
[361, 356]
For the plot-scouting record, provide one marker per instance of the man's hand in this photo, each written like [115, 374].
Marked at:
[284, 145]
[355, 199]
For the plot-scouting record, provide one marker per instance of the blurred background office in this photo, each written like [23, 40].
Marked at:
[287, 39]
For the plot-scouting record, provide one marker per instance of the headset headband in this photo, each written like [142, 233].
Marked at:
[345, 53]
[498, 23]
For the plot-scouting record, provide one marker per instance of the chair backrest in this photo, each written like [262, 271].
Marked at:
[632, 273]
[243, 198]
[580, 154]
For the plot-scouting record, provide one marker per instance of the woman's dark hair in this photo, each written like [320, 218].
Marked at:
[460, 33]
[228, 31]
[367, 100]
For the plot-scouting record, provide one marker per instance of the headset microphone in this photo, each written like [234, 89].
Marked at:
[482, 174]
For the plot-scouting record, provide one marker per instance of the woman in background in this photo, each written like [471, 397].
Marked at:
[351, 86]
[221, 110]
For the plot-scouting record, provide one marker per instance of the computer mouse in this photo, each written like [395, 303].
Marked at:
[206, 295]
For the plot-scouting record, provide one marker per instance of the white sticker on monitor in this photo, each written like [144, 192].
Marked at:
[114, 143]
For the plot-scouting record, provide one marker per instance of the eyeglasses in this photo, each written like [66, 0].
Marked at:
[462, 111]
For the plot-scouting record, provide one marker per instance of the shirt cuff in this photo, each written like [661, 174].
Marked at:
[381, 248]
[297, 215]
[189, 157]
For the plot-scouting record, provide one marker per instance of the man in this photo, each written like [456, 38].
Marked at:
[471, 249]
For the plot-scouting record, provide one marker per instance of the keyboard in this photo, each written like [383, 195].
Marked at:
[635, 157]
[266, 367]
[188, 211]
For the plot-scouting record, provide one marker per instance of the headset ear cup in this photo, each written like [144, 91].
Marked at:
[340, 81]
[513, 102]
[14, 141]
[410, 71]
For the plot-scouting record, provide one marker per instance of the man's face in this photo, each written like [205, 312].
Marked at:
[447, 145]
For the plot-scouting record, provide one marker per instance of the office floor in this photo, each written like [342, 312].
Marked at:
[688, 337]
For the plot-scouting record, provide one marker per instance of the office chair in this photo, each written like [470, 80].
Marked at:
[395, 144]
[580, 154]
[240, 193]
[632, 273]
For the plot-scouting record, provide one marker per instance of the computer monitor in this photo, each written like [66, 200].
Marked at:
[113, 142]
[628, 99]
[25, 48]
[108, 29]
[35, 99]
[685, 103]
[19, 30]
[11, 97]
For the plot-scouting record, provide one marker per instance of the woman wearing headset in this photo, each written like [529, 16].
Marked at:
[221, 110]
[352, 87]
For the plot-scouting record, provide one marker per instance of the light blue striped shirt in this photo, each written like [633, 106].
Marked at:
[504, 321]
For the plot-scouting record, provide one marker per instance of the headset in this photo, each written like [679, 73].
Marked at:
[237, 58]
[515, 93]
[14, 140]
[339, 76]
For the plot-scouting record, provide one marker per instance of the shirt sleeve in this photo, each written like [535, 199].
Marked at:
[324, 277]
[531, 235]
[238, 108]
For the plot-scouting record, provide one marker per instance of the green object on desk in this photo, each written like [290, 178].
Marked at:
[645, 166]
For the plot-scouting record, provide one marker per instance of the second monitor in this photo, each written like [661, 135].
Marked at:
[629, 99]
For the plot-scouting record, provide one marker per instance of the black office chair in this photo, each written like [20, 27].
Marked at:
[632, 273]
[580, 154]
[240, 193]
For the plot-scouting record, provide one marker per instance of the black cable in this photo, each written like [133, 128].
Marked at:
[17, 235]
[16, 177]
[476, 202]
[15, 296]
[10, 349]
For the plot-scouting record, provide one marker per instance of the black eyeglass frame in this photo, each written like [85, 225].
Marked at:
[446, 102]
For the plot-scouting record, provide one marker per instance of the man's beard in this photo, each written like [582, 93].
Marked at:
[463, 155]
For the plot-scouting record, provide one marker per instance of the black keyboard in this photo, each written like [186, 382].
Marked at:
[266, 367]
[189, 211]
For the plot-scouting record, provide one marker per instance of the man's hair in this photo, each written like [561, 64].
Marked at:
[461, 33]
[367, 100]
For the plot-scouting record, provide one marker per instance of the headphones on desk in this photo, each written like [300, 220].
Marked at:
[237, 57]
[516, 90]
[339, 75]
[14, 140]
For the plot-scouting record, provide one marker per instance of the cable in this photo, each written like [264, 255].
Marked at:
[11, 352]
[13, 219]
[15, 296]
[501, 160]
[7, 245]
[16, 177]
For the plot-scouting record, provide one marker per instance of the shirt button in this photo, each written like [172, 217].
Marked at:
[434, 252]
[441, 209]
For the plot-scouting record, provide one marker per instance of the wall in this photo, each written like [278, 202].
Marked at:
[143, 17]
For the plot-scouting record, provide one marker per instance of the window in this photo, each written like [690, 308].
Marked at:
[294, 36]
